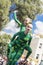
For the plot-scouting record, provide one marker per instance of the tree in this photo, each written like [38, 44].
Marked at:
[28, 8]
[4, 40]
[4, 11]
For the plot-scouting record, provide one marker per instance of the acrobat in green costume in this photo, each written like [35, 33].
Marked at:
[22, 26]
[19, 44]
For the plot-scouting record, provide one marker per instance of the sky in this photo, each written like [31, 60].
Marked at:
[38, 25]
[11, 28]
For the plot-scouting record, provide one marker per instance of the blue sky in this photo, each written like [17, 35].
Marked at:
[37, 25]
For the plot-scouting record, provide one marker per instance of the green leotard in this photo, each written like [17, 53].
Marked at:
[19, 42]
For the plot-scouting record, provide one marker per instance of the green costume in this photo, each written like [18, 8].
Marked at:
[18, 45]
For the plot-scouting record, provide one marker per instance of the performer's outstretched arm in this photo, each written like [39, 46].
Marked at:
[16, 20]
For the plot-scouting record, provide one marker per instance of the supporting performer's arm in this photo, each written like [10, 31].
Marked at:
[14, 36]
[12, 40]
[30, 38]
[27, 47]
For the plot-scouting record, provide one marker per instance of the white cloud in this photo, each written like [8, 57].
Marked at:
[36, 31]
[12, 26]
[39, 29]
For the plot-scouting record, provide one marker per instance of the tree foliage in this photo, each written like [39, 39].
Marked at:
[28, 8]
[4, 11]
[4, 40]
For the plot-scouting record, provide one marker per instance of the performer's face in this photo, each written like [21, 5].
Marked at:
[27, 21]
[28, 28]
